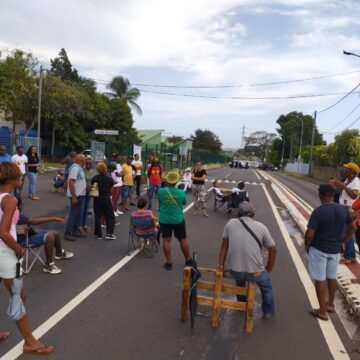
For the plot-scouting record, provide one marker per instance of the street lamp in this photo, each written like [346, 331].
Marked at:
[350, 53]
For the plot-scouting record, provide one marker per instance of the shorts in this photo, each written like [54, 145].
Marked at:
[8, 261]
[38, 239]
[322, 266]
[126, 191]
[179, 230]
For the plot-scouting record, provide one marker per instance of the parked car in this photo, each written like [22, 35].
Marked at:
[267, 167]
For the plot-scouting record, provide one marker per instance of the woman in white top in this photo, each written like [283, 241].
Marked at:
[11, 251]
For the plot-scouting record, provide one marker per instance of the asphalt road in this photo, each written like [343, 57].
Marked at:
[135, 314]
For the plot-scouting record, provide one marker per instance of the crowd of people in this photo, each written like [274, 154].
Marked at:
[114, 186]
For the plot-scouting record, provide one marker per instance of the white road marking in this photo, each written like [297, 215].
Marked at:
[331, 336]
[17, 350]
[257, 175]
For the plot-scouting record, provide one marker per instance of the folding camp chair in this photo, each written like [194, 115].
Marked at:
[142, 233]
[31, 250]
[220, 202]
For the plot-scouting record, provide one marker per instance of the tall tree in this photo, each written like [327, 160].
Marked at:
[18, 90]
[62, 67]
[290, 133]
[174, 139]
[121, 89]
[206, 140]
[262, 140]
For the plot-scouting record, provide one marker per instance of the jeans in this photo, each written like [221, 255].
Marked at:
[84, 210]
[349, 251]
[137, 184]
[73, 221]
[103, 208]
[18, 190]
[32, 183]
[153, 188]
[116, 192]
[264, 282]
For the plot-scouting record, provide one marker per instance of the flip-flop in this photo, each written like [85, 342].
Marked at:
[315, 313]
[330, 309]
[4, 335]
[44, 350]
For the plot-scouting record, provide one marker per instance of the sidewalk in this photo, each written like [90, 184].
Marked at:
[300, 212]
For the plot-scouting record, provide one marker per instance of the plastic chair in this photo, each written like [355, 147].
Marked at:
[142, 233]
[31, 250]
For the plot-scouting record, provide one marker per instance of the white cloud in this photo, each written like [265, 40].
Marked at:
[203, 42]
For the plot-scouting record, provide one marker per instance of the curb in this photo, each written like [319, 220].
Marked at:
[299, 214]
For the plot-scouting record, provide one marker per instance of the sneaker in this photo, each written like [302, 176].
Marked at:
[51, 269]
[168, 266]
[103, 225]
[64, 255]
[119, 212]
[79, 234]
[68, 237]
[268, 316]
[115, 213]
[110, 237]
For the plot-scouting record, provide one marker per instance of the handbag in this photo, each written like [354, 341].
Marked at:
[251, 232]
[94, 192]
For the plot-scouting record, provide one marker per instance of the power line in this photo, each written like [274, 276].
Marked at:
[106, 82]
[343, 98]
[242, 97]
[345, 118]
[349, 126]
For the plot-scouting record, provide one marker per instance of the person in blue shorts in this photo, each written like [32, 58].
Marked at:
[330, 226]
[50, 239]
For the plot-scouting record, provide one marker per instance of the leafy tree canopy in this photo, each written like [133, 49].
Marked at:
[206, 140]
[62, 67]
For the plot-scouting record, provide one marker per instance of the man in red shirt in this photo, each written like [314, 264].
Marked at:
[154, 174]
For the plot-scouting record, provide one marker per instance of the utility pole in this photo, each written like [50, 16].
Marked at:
[283, 153]
[301, 136]
[312, 145]
[39, 107]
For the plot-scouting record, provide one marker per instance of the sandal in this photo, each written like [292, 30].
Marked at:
[345, 261]
[43, 350]
[316, 313]
[34, 198]
[330, 309]
[4, 335]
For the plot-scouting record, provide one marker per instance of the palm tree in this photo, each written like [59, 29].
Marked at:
[121, 90]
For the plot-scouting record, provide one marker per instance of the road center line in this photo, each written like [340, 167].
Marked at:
[17, 350]
[331, 336]
[257, 175]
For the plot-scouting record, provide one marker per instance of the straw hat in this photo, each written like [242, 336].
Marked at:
[172, 177]
[352, 166]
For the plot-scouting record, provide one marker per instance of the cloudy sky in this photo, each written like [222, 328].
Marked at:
[210, 43]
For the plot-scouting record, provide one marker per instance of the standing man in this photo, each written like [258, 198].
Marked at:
[128, 182]
[350, 189]
[20, 159]
[244, 239]
[154, 175]
[137, 163]
[198, 189]
[330, 226]
[4, 156]
[171, 218]
[76, 191]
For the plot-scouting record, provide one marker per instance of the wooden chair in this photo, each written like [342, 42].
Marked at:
[217, 302]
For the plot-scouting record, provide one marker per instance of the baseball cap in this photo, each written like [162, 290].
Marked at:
[172, 177]
[352, 166]
[246, 208]
[326, 190]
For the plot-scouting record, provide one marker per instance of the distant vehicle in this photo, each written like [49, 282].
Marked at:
[171, 157]
[268, 167]
[87, 153]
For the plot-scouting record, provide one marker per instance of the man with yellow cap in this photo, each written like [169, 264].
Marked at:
[350, 189]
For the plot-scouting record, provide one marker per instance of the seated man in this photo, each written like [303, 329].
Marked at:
[59, 180]
[49, 238]
[239, 194]
[185, 182]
